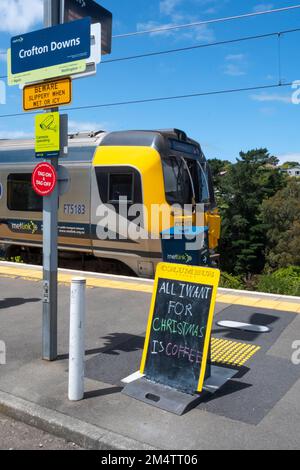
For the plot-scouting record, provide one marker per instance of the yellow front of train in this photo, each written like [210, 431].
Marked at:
[174, 187]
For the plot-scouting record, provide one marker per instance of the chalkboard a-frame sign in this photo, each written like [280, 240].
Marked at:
[179, 328]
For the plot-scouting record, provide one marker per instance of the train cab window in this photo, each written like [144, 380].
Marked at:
[180, 177]
[211, 187]
[20, 195]
[207, 189]
[117, 182]
[203, 175]
[121, 186]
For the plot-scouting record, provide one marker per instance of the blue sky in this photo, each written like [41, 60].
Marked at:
[223, 124]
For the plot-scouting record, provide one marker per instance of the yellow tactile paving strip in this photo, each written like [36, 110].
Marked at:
[232, 353]
[92, 282]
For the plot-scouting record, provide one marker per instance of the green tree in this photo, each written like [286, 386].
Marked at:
[281, 214]
[254, 178]
[218, 167]
[288, 165]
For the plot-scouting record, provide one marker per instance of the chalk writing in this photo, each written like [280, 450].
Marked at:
[178, 332]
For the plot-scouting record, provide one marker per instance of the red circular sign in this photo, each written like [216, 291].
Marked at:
[44, 179]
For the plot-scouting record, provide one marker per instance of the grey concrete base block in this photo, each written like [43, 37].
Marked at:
[172, 400]
[165, 398]
[219, 377]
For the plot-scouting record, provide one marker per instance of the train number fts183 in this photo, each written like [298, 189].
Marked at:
[74, 209]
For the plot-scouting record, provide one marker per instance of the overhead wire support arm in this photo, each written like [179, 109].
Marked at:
[280, 81]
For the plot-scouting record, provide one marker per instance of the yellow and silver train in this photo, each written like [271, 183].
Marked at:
[162, 167]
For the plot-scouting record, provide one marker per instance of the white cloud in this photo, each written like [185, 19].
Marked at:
[234, 70]
[289, 157]
[5, 134]
[19, 16]
[167, 7]
[3, 56]
[201, 33]
[86, 126]
[74, 126]
[272, 97]
[235, 57]
[149, 25]
[268, 111]
[173, 9]
[263, 7]
[236, 65]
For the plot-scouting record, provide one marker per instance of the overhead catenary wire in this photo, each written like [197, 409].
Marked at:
[199, 46]
[201, 23]
[203, 46]
[192, 95]
[162, 98]
[206, 22]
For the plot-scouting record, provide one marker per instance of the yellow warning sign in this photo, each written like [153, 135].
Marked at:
[47, 95]
[47, 135]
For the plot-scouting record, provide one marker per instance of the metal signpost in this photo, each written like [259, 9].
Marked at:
[53, 10]
[71, 49]
[50, 228]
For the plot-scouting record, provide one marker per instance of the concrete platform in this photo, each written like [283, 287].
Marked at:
[258, 409]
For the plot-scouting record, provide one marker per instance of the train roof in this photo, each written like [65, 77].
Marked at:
[80, 139]
[83, 144]
[145, 138]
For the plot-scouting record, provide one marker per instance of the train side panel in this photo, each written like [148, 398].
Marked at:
[21, 210]
[75, 210]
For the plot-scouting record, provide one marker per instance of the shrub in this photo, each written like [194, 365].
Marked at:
[285, 281]
[231, 282]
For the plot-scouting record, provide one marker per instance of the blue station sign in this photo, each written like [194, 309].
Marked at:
[48, 47]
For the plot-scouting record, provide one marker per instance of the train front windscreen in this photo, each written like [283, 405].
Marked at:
[187, 181]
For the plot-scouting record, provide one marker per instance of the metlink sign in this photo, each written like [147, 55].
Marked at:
[51, 46]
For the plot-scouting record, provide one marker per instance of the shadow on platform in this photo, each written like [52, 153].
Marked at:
[16, 302]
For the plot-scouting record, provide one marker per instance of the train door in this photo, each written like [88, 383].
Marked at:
[118, 217]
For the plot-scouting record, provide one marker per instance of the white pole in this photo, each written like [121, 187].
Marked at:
[77, 340]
